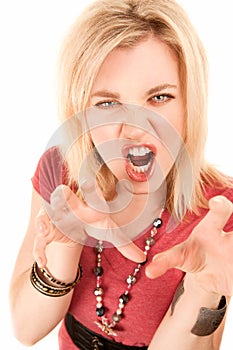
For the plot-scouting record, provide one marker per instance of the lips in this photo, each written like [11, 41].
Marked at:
[139, 161]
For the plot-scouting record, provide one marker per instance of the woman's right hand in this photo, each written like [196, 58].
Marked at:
[69, 220]
[46, 232]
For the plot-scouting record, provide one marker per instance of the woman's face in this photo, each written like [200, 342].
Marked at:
[137, 114]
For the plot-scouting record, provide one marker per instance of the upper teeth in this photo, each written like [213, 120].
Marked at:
[139, 151]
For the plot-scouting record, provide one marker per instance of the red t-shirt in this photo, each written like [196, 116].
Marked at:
[150, 299]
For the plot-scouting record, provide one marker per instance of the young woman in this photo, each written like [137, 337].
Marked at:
[127, 199]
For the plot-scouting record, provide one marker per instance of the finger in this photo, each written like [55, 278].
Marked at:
[61, 199]
[42, 222]
[57, 204]
[164, 261]
[68, 213]
[42, 239]
[39, 250]
[218, 215]
[44, 236]
[65, 203]
[119, 239]
[132, 252]
[93, 195]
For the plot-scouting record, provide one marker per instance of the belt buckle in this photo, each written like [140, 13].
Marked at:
[96, 344]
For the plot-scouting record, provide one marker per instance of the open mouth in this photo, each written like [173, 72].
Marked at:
[139, 161]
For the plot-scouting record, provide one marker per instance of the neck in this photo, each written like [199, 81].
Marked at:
[133, 213]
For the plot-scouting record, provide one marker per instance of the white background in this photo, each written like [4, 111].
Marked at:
[30, 36]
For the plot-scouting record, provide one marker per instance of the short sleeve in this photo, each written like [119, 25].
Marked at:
[50, 173]
[229, 195]
[226, 192]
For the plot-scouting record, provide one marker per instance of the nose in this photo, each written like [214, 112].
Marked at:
[134, 123]
[131, 131]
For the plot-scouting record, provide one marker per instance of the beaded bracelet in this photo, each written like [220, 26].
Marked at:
[48, 289]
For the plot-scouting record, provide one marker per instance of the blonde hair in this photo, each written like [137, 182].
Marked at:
[105, 25]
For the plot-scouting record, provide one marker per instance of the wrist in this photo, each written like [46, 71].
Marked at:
[47, 285]
[199, 310]
[198, 294]
[63, 260]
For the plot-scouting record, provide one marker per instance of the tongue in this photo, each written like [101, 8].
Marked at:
[140, 160]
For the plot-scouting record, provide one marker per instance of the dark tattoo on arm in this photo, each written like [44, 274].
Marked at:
[177, 295]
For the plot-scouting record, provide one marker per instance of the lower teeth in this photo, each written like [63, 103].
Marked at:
[140, 169]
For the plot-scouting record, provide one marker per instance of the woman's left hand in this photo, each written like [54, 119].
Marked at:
[207, 254]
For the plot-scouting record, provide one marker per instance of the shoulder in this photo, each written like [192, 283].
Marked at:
[220, 190]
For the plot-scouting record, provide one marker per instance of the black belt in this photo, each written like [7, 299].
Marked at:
[85, 339]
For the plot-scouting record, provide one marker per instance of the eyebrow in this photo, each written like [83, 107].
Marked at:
[106, 93]
[160, 88]
[116, 95]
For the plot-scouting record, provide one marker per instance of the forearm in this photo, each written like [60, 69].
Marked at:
[35, 314]
[175, 330]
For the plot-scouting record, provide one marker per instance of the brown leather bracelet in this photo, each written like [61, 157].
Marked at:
[209, 320]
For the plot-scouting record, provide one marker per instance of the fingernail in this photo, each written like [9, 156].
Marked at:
[41, 227]
[217, 199]
[55, 198]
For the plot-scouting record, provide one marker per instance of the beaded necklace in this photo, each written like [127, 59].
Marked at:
[103, 323]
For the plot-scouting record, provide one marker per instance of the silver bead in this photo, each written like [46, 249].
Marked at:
[150, 241]
[116, 318]
[98, 291]
[131, 280]
[119, 311]
[99, 248]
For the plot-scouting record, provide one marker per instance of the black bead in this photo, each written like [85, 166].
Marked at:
[158, 223]
[124, 298]
[100, 311]
[98, 271]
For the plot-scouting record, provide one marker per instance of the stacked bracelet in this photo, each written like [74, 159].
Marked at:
[57, 288]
